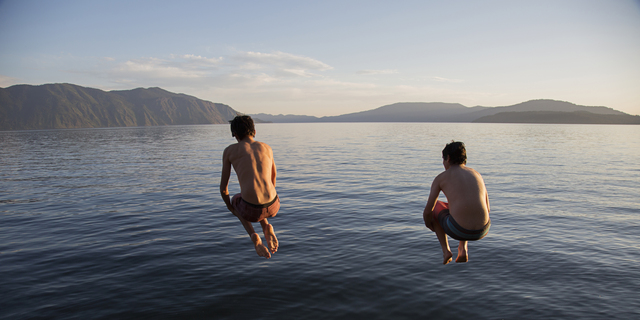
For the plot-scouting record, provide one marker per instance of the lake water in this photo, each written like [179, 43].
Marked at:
[127, 223]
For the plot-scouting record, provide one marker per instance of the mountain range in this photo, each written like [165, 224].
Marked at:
[63, 106]
[534, 111]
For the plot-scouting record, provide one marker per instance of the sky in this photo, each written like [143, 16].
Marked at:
[328, 57]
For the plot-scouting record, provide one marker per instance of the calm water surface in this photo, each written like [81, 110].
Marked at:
[127, 223]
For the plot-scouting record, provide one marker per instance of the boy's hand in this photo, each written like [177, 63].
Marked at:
[233, 210]
[429, 221]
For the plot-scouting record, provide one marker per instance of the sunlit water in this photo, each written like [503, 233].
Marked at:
[127, 223]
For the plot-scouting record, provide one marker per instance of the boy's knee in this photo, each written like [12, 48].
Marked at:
[235, 213]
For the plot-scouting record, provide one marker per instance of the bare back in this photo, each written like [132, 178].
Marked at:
[467, 196]
[253, 162]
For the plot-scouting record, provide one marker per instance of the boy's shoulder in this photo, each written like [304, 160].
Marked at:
[261, 146]
[230, 150]
[230, 147]
[260, 143]
[472, 171]
[442, 176]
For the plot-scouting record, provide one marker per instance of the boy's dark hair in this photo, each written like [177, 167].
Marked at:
[456, 152]
[242, 126]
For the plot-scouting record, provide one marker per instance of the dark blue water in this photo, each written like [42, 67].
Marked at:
[127, 223]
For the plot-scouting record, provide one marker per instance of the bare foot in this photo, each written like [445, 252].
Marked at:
[270, 237]
[260, 249]
[447, 257]
[463, 256]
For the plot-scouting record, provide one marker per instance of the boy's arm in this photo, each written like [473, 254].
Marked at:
[488, 206]
[273, 169]
[224, 180]
[427, 214]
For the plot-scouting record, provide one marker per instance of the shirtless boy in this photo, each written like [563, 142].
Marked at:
[466, 216]
[253, 162]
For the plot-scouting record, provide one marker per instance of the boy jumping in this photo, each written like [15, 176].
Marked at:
[466, 216]
[256, 171]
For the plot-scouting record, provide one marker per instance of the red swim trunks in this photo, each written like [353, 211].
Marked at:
[440, 205]
[254, 212]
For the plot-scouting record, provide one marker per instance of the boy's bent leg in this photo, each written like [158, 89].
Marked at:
[444, 243]
[261, 250]
[269, 235]
[463, 252]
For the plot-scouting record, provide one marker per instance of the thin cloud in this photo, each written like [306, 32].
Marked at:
[440, 79]
[192, 60]
[250, 68]
[375, 72]
[265, 82]
[285, 61]
[7, 81]
[155, 68]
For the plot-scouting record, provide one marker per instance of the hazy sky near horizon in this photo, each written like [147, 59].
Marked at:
[332, 57]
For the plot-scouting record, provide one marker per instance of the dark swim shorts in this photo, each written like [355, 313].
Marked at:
[255, 212]
[452, 228]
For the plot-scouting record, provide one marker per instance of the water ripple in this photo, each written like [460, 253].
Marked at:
[127, 223]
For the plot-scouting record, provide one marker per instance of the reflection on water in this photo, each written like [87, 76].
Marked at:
[127, 223]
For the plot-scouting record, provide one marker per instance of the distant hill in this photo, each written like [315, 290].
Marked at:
[280, 118]
[58, 106]
[407, 112]
[581, 117]
[539, 106]
[397, 112]
[454, 112]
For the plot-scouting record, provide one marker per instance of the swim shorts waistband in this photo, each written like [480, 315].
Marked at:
[266, 205]
[456, 231]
